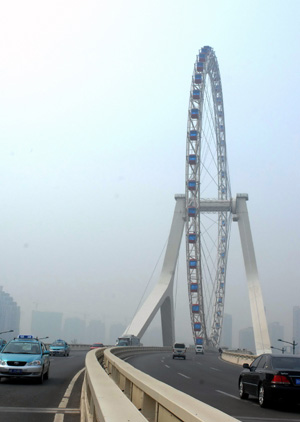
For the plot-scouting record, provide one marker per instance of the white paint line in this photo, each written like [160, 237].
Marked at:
[215, 369]
[167, 366]
[226, 394]
[65, 399]
[185, 376]
[59, 417]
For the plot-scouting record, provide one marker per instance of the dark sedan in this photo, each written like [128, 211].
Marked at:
[271, 378]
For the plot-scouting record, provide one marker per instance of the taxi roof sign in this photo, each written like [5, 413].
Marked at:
[25, 336]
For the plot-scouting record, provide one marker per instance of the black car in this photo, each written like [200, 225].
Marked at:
[271, 378]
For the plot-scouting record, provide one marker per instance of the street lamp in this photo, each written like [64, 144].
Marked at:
[294, 344]
[9, 331]
[276, 348]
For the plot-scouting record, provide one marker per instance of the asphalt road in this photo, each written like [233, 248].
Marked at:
[213, 381]
[26, 401]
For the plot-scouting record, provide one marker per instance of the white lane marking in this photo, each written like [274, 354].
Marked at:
[226, 394]
[38, 410]
[185, 376]
[59, 417]
[215, 369]
[167, 366]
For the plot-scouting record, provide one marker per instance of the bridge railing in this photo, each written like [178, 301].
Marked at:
[238, 358]
[114, 389]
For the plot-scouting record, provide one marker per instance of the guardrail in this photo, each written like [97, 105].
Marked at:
[113, 390]
[237, 358]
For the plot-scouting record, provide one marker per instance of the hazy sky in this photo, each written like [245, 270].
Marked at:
[93, 114]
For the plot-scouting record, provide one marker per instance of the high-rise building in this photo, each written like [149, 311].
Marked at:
[46, 324]
[226, 337]
[276, 331]
[246, 339]
[9, 315]
[296, 327]
[95, 332]
[74, 331]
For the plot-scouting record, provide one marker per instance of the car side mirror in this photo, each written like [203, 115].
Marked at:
[246, 365]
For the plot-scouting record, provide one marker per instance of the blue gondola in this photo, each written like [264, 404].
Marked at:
[192, 211]
[192, 185]
[198, 78]
[193, 287]
[192, 159]
[194, 113]
[193, 135]
[196, 94]
[193, 263]
[192, 237]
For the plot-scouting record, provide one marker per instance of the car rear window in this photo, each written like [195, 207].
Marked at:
[286, 363]
[179, 346]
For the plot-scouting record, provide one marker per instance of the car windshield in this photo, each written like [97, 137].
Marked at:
[22, 348]
[286, 363]
[179, 345]
[58, 344]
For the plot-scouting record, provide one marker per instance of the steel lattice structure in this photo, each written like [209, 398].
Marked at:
[207, 224]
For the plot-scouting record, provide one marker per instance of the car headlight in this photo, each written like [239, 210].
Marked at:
[34, 363]
[3, 362]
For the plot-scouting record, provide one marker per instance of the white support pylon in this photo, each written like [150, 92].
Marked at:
[161, 296]
[260, 327]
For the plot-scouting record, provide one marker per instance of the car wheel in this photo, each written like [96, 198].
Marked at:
[243, 395]
[40, 379]
[261, 397]
[46, 375]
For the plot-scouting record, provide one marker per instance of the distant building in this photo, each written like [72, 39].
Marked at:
[74, 331]
[46, 324]
[95, 332]
[296, 327]
[116, 330]
[226, 337]
[246, 339]
[276, 331]
[9, 316]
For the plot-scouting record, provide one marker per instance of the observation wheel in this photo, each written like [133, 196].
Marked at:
[208, 195]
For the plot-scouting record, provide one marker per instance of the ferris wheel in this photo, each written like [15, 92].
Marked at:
[207, 186]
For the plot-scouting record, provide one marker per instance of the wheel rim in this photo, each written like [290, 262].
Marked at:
[261, 395]
[207, 232]
[241, 389]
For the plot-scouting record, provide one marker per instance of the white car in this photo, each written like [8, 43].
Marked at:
[199, 349]
[179, 350]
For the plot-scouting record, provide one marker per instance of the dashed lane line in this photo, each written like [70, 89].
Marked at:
[185, 376]
[227, 394]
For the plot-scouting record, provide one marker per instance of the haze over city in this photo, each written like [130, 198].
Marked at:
[94, 103]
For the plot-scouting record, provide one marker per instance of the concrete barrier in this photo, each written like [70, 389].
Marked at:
[115, 391]
[237, 358]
